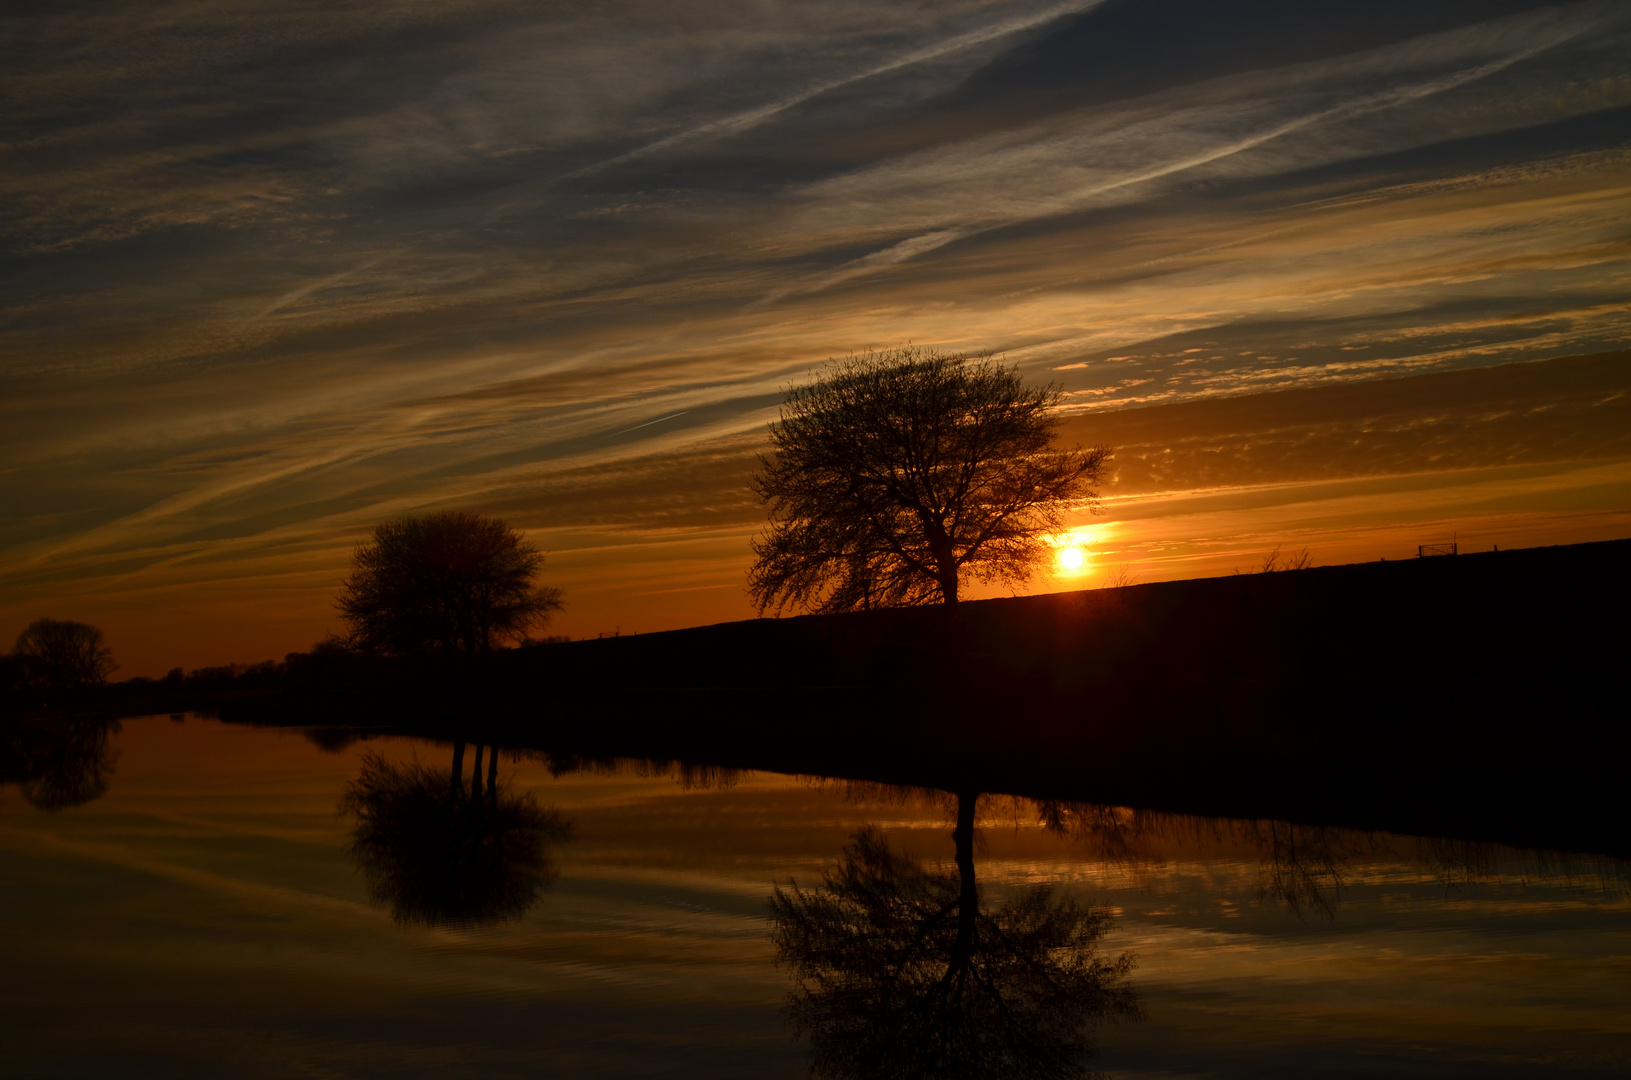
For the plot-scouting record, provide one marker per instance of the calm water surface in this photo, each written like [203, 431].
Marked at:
[216, 911]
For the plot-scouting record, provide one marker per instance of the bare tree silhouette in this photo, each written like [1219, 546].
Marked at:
[897, 477]
[451, 581]
[900, 972]
[60, 654]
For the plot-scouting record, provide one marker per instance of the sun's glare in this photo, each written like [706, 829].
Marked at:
[1071, 558]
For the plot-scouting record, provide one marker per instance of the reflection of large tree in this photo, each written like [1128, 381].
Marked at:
[900, 972]
[58, 762]
[438, 854]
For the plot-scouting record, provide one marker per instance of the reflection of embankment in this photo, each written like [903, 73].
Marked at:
[899, 969]
[689, 775]
[440, 854]
[1304, 868]
[58, 762]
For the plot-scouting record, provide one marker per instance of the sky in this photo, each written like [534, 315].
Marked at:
[1351, 277]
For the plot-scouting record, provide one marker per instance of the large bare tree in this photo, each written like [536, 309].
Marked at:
[896, 477]
[451, 581]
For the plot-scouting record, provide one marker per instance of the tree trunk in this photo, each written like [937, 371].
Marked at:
[458, 767]
[968, 901]
[492, 776]
[945, 559]
[946, 572]
[475, 777]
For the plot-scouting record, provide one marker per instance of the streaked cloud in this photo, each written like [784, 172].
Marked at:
[272, 274]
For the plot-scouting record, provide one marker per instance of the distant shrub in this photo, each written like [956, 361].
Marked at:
[1275, 562]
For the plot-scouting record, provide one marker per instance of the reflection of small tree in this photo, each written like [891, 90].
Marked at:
[57, 762]
[451, 581]
[900, 973]
[60, 654]
[1304, 866]
[439, 855]
[899, 476]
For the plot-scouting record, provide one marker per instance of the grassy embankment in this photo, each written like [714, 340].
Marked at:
[1480, 696]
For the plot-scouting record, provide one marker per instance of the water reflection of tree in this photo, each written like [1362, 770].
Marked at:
[439, 854]
[691, 776]
[901, 972]
[58, 762]
[1305, 868]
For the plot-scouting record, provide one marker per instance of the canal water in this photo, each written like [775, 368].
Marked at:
[181, 897]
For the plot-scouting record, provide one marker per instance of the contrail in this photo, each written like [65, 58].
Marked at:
[753, 117]
[648, 423]
[912, 247]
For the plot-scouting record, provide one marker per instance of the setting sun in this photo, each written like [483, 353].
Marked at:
[1071, 558]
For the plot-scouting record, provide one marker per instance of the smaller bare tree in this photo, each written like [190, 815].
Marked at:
[60, 654]
[450, 581]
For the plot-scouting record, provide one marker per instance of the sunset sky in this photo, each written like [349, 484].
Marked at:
[274, 272]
